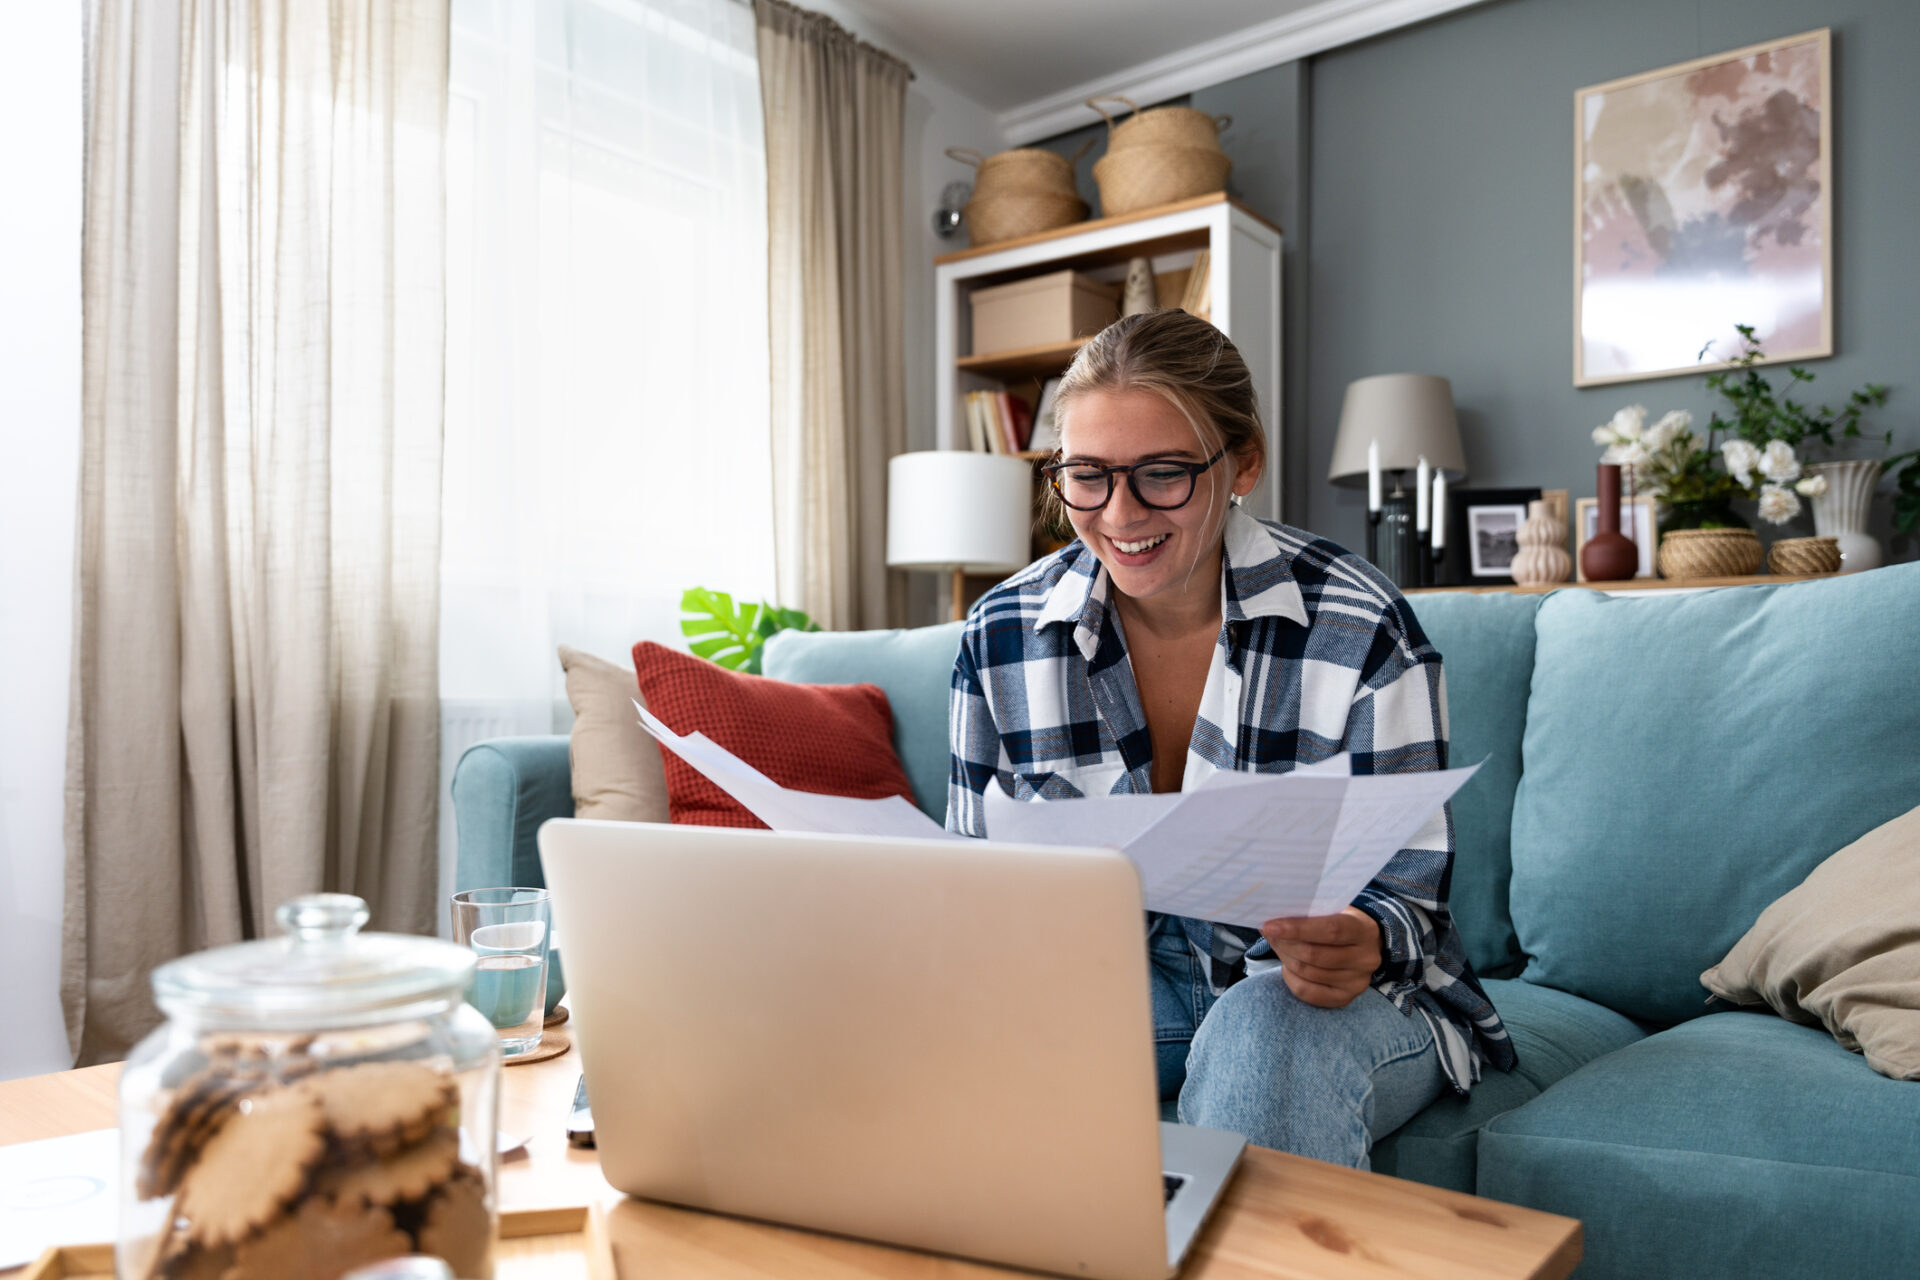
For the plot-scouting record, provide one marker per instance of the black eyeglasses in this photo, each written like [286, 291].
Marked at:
[1164, 484]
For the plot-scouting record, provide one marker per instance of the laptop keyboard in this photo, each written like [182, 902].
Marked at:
[1173, 1181]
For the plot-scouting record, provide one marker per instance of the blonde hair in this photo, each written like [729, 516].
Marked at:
[1182, 358]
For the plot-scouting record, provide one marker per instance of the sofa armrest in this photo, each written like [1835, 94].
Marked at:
[503, 789]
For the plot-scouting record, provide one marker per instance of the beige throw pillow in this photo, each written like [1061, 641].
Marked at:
[617, 774]
[1843, 950]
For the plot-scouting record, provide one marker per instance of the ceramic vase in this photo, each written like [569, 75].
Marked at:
[1139, 295]
[1542, 557]
[1841, 512]
[1609, 556]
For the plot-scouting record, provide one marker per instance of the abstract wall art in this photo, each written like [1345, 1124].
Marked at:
[1703, 199]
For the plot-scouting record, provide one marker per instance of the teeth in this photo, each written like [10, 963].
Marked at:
[1135, 548]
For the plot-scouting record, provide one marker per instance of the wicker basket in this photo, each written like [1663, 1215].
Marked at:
[1157, 173]
[1169, 126]
[1021, 171]
[1804, 555]
[1709, 553]
[991, 219]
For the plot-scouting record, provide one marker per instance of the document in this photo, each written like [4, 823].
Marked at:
[1241, 848]
[784, 809]
[57, 1191]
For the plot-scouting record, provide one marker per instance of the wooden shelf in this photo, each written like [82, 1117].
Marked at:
[1022, 362]
[1630, 584]
[1148, 248]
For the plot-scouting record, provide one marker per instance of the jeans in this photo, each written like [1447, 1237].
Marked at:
[1257, 1060]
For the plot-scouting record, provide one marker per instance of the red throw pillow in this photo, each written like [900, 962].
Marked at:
[835, 739]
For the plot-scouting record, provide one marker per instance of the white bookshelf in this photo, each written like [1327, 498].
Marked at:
[1244, 256]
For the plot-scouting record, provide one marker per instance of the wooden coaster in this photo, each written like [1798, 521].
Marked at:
[552, 1045]
[559, 1015]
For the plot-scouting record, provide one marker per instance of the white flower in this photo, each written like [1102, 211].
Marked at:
[1812, 487]
[1603, 434]
[1671, 427]
[1778, 463]
[1627, 423]
[1628, 453]
[1777, 504]
[1741, 458]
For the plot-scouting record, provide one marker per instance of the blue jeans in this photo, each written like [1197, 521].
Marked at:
[1259, 1061]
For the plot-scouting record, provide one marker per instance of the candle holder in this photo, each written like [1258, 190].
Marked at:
[1396, 538]
[1373, 538]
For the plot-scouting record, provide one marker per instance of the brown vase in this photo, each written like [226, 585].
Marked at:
[1609, 555]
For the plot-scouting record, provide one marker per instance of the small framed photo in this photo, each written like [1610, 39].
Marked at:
[1483, 528]
[1636, 521]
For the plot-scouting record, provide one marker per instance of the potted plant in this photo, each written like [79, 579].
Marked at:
[1758, 415]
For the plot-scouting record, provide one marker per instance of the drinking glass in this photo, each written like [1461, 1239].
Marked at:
[508, 931]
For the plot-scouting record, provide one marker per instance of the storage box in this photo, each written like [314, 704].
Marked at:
[1041, 311]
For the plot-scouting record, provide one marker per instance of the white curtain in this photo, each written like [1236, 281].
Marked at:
[607, 437]
[253, 704]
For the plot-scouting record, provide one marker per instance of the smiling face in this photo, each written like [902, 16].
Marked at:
[1171, 557]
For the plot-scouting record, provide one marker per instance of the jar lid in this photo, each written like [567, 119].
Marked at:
[322, 973]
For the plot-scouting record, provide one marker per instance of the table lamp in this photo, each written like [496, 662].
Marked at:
[960, 512]
[1399, 423]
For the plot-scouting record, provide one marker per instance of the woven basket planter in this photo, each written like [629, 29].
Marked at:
[1157, 173]
[1804, 555]
[1160, 126]
[1709, 553]
[991, 219]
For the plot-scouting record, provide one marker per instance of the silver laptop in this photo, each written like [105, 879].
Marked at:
[940, 1044]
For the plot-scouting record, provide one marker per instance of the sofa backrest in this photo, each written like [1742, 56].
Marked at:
[913, 667]
[1486, 645]
[1690, 758]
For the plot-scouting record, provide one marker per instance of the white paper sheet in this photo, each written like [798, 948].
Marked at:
[784, 809]
[1240, 848]
[1245, 848]
[58, 1191]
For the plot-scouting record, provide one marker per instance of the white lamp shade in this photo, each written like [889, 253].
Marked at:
[1409, 415]
[951, 509]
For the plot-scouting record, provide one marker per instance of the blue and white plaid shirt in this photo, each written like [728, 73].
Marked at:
[1317, 654]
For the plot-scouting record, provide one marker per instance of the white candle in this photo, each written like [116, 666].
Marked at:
[1423, 478]
[1439, 510]
[1373, 475]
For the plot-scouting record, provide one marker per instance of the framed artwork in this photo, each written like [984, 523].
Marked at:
[1636, 521]
[1483, 527]
[1703, 199]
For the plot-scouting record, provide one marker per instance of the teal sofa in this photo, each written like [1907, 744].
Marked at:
[1657, 770]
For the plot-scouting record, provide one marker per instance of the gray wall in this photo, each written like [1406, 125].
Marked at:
[1424, 180]
[1442, 208]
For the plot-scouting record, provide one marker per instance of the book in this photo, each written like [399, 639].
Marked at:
[1022, 422]
[1199, 284]
[976, 434]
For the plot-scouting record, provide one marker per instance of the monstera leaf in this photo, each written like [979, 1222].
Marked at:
[730, 634]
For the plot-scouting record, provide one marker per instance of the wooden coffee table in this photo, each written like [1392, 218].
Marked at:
[1282, 1215]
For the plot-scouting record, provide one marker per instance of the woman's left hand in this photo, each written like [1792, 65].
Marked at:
[1326, 960]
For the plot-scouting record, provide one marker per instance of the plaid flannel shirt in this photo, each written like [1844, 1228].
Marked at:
[1317, 654]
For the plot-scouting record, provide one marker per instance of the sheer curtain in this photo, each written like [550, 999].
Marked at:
[253, 693]
[607, 439]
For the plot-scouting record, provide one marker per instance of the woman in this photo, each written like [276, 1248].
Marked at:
[1179, 635]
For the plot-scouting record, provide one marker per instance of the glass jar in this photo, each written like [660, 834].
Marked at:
[314, 1103]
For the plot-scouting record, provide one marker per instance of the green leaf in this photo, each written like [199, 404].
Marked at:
[719, 630]
[732, 635]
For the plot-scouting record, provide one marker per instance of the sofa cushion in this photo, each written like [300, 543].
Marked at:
[1843, 950]
[1486, 644]
[1554, 1034]
[1689, 758]
[831, 739]
[1733, 1145]
[914, 668]
[617, 772]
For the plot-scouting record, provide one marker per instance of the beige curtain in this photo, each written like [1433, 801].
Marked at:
[834, 109]
[254, 708]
